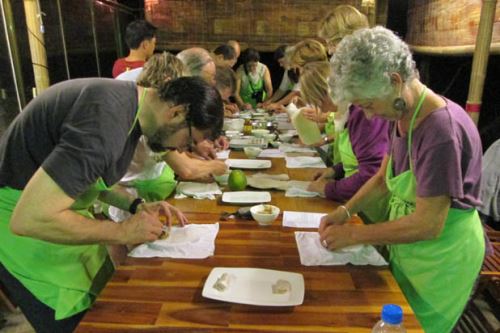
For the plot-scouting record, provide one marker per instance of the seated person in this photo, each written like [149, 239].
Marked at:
[253, 81]
[140, 37]
[224, 56]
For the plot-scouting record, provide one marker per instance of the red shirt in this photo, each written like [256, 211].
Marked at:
[121, 65]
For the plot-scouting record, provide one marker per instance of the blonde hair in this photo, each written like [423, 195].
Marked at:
[308, 50]
[342, 21]
[314, 82]
[160, 68]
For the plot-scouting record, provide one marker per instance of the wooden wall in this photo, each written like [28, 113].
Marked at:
[263, 24]
[447, 27]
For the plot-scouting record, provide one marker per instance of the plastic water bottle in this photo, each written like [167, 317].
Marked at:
[392, 320]
[308, 130]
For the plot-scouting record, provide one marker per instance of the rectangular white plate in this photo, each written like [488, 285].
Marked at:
[246, 197]
[248, 164]
[255, 286]
[240, 143]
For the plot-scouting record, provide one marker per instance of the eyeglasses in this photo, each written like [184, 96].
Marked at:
[158, 147]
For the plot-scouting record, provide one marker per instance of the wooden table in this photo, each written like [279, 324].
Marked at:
[164, 295]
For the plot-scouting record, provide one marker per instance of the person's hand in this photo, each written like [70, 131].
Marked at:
[164, 211]
[326, 174]
[231, 107]
[335, 237]
[260, 105]
[141, 227]
[206, 149]
[318, 186]
[221, 143]
[218, 167]
[310, 114]
[279, 108]
[247, 106]
[337, 217]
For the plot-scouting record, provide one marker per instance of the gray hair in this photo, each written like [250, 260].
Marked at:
[194, 59]
[363, 64]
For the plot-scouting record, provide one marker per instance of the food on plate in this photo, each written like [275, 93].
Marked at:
[282, 287]
[222, 282]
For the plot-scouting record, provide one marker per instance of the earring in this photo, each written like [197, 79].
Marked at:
[399, 104]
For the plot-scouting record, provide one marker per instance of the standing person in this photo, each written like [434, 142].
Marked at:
[340, 22]
[140, 37]
[432, 174]
[198, 62]
[359, 144]
[67, 148]
[253, 83]
[224, 56]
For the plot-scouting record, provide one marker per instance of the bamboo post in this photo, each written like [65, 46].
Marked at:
[37, 44]
[480, 59]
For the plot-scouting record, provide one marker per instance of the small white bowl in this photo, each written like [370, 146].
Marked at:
[269, 137]
[231, 134]
[285, 137]
[252, 152]
[259, 133]
[260, 214]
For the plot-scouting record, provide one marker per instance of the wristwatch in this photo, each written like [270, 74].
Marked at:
[133, 206]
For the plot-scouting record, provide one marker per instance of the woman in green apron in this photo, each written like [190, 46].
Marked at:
[432, 175]
[253, 84]
[359, 144]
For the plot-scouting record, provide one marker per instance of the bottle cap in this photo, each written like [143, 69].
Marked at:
[392, 314]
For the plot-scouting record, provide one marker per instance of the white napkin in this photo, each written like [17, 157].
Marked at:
[298, 188]
[197, 190]
[304, 162]
[193, 241]
[280, 176]
[312, 253]
[295, 148]
[302, 219]
[272, 153]
[223, 155]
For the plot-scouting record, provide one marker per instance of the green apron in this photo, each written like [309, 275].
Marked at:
[376, 212]
[67, 278]
[437, 276]
[246, 91]
[156, 189]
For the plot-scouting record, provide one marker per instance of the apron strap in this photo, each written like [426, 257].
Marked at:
[413, 118]
[139, 109]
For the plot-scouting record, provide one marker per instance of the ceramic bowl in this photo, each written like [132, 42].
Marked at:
[285, 137]
[269, 137]
[264, 214]
[259, 133]
[252, 152]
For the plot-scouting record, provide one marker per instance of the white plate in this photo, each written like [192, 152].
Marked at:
[248, 164]
[246, 197]
[247, 141]
[255, 286]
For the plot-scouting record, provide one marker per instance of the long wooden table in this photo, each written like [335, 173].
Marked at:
[164, 295]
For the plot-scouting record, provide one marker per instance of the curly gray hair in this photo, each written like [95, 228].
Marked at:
[194, 59]
[363, 64]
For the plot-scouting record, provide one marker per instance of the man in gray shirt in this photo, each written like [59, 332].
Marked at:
[66, 149]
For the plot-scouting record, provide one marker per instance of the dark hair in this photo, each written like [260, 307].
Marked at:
[279, 53]
[227, 51]
[138, 31]
[225, 78]
[250, 54]
[205, 109]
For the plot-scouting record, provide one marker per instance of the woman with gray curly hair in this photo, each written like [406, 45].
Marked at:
[432, 175]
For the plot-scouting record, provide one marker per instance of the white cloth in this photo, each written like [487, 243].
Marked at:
[302, 219]
[223, 155]
[295, 148]
[197, 190]
[130, 75]
[272, 153]
[312, 253]
[266, 181]
[298, 188]
[304, 162]
[193, 241]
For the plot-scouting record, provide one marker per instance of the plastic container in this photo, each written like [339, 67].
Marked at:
[308, 130]
[392, 320]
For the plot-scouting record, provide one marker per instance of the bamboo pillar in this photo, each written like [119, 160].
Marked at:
[480, 60]
[37, 44]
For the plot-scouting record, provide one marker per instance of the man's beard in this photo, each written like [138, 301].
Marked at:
[162, 133]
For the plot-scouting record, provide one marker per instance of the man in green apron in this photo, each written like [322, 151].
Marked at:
[67, 148]
[432, 175]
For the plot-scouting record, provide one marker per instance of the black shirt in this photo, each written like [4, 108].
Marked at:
[77, 131]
